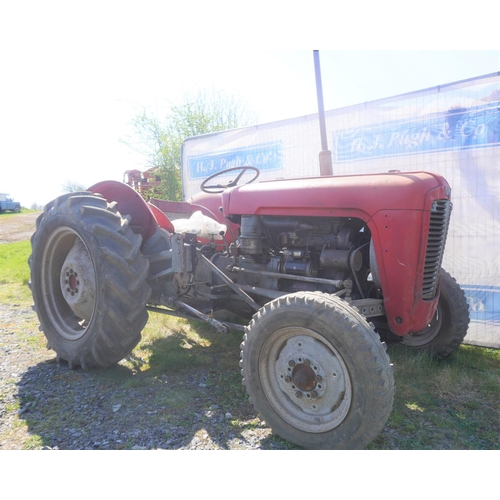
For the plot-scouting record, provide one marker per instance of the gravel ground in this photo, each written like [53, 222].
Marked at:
[45, 405]
[17, 227]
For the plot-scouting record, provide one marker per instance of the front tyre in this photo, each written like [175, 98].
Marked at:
[88, 280]
[448, 327]
[317, 373]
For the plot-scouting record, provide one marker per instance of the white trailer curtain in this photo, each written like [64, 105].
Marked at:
[452, 129]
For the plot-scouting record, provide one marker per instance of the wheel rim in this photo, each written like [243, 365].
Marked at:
[428, 334]
[68, 283]
[305, 379]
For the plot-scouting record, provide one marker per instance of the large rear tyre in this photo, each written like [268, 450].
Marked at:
[448, 327]
[317, 373]
[88, 280]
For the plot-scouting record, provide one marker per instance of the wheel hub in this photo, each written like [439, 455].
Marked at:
[71, 281]
[77, 281]
[311, 381]
[303, 376]
[428, 334]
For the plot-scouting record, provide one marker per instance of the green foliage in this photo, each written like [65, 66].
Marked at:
[160, 140]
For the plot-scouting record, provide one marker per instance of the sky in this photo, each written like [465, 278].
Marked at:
[74, 74]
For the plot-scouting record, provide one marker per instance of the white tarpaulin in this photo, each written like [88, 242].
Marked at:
[452, 129]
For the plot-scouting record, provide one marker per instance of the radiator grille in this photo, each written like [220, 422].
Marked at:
[438, 229]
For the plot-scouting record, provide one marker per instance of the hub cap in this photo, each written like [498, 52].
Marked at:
[305, 379]
[78, 281]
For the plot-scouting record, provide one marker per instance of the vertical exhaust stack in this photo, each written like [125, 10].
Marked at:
[325, 155]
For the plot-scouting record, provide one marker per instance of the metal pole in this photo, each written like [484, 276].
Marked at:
[325, 156]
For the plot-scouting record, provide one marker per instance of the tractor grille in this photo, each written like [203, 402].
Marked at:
[438, 229]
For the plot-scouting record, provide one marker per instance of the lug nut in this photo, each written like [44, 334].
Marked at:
[298, 394]
[307, 362]
[291, 363]
[314, 394]
[318, 378]
[288, 380]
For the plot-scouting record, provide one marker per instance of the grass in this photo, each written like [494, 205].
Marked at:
[449, 404]
[14, 262]
[14, 272]
[23, 211]
[171, 345]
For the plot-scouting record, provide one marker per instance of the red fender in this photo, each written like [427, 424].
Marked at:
[144, 219]
[162, 220]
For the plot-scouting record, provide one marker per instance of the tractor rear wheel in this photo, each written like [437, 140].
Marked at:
[317, 372]
[88, 280]
[448, 327]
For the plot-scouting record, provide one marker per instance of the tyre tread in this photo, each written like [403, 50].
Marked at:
[361, 336]
[121, 313]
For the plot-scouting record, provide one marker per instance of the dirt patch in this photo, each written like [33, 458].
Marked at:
[17, 227]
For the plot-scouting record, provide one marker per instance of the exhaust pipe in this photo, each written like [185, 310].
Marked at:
[325, 156]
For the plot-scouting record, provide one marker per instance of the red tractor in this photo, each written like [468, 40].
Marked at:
[327, 269]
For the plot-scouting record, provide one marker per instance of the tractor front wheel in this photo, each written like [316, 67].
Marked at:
[317, 372]
[88, 280]
[448, 327]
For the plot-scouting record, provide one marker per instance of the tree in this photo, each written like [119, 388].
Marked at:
[161, 140]
[72, 187]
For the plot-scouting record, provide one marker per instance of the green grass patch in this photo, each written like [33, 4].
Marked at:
[14, 272]
[172, 345]
[14, 262]
[34, 442]
[23, 211]
[448, 404]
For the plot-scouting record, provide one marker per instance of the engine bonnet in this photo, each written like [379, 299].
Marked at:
[354, 195]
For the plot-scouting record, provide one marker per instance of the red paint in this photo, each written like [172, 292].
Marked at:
[392, 205]
[129, 202]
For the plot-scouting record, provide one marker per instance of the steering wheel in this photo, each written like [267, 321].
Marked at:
[219, 188]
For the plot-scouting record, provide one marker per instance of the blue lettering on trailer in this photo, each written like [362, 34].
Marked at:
[267, 156]
[484, 302]
[458, 128]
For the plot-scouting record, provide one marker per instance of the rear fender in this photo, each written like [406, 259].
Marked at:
[129, 202]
